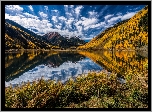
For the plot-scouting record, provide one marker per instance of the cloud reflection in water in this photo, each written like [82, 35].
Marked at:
[63, 72]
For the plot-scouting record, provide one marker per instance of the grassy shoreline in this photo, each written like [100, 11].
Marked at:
[95, 90]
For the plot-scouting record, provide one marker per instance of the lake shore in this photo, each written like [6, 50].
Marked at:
[95, 90]
[63, 50]
[38, 50]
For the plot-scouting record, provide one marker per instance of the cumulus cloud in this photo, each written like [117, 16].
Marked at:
[14, 7]
[29, 15]
[14, 18]
[54, 18]
[74, 19]
[88, 21]
[58, 26]
[31, 8]
[128, 15]
[69, 22]
[93, 14]
[78, 9]
[42, 14]
[62, 18]
[68, 14]
[30, 21]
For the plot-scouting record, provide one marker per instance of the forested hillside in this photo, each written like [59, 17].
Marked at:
[18, 37]
[128, 34]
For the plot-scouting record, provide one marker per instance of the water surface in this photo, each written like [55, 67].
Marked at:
[56, 66]
[24, 67]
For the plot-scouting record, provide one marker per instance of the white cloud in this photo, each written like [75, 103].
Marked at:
[101, 24]
[31, 8]
[44, 26]
[65, 5]
[14, 18]
[47, 71]
[108, 16]
[71, 6]
[30, 15]
[69, 22]
[30, 21]
[46, 7]
[14, 7]
[42, 14]
[54, 18]
[68, 14]
[21, 16]
[128, 15]
[58, 26]
[92, 13]
[62, 18]
[88, 21]
[113, 19]
[68, 6]
[84, 38]
[55, 10]
[78, 9]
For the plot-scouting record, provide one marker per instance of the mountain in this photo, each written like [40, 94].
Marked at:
[128, 34]
[54, 38]
[62, 41]
[18, 37]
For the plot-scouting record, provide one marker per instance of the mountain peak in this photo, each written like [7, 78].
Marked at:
[51, 35]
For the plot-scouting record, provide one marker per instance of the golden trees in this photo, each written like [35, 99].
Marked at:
[129, 34]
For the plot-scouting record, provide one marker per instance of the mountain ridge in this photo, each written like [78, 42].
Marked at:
[128, 34]
[63, 41]
[18, 37]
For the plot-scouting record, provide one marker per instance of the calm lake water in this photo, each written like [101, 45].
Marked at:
[24, 67]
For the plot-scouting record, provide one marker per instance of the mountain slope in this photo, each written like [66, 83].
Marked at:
[128, 34]
[18, 37]
[63, 42]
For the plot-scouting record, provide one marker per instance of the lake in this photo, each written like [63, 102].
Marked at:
[60, 66]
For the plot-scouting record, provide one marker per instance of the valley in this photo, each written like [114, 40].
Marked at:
[63, 69]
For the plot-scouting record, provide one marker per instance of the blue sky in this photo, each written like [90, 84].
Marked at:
[85, 21]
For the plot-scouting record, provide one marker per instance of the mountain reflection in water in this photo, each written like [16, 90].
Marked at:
[23, 67]
[56, 66]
